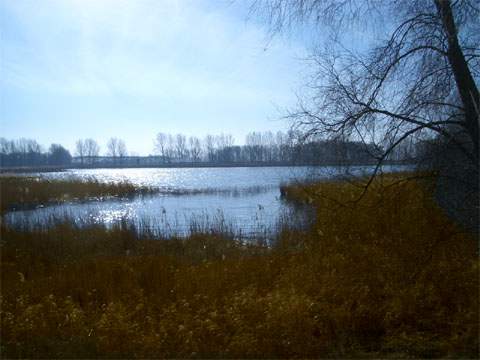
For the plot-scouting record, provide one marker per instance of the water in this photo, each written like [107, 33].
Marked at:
[243, 201]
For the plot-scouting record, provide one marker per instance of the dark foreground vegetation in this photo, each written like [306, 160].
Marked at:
[22, 192]
[387, 276]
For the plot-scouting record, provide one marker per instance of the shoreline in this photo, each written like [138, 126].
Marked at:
[27, 169]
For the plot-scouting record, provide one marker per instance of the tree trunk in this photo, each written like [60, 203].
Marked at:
[466, 85]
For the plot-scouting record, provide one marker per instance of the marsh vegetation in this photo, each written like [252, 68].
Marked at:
[24, 192]
[388, 275]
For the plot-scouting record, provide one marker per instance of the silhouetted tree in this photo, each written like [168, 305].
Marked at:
[121, 148]
[80, 150]
[112, 147]
[21, 152]
[195, 148]
[181, 146]
[58, 155]
[416, 84]
[419, 81]
[92, 149]
[161, 144]
[209, 143]
[116, 148]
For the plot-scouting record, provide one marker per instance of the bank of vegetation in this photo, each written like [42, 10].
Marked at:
[386, 276]
[24, 192]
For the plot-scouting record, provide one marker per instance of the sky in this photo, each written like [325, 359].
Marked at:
[74, 69]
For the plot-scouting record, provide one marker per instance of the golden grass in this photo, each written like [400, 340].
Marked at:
[389, 276]
[18, 192]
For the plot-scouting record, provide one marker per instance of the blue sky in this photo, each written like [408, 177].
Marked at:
[73, 69]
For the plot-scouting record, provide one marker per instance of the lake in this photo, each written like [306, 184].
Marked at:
[244, 201]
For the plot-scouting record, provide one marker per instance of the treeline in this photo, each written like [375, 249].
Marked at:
[28, 152]
[282, 148]
[87, 151]
[260, 147]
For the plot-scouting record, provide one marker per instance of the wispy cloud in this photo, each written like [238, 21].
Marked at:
[184, 52]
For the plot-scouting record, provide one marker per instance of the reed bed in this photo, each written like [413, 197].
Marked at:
[387, 276]
[26, 192]
[23, 192]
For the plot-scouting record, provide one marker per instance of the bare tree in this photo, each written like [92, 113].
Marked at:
[5, 146]
[58, 155]
[92, 149]
[80, 150]
[268, 143]
[21, 152]
[281, 142]
[195, 148]
[419, 82]
[225, 140]
[255, 148]
[181, 146]
[170, 147]
[22, 148]
[224, 150]
[116, 148]
[419, 79]
[112, 147]
[160, 145]
[121, 148]
[209, 143]
[33, 146]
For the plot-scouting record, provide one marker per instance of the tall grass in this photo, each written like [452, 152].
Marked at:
[19, 192]
[388, 276]
[25, 192]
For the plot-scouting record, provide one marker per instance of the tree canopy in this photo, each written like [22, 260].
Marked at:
[417, 80]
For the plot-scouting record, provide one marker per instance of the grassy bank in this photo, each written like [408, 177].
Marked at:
[19, 192]
[388, 276]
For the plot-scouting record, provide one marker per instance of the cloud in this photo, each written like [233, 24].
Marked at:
[126, 68]
[139, 48]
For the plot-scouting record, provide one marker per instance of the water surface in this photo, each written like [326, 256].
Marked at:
[242, 200]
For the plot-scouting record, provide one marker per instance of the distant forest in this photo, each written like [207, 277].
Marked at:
[260, 148]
